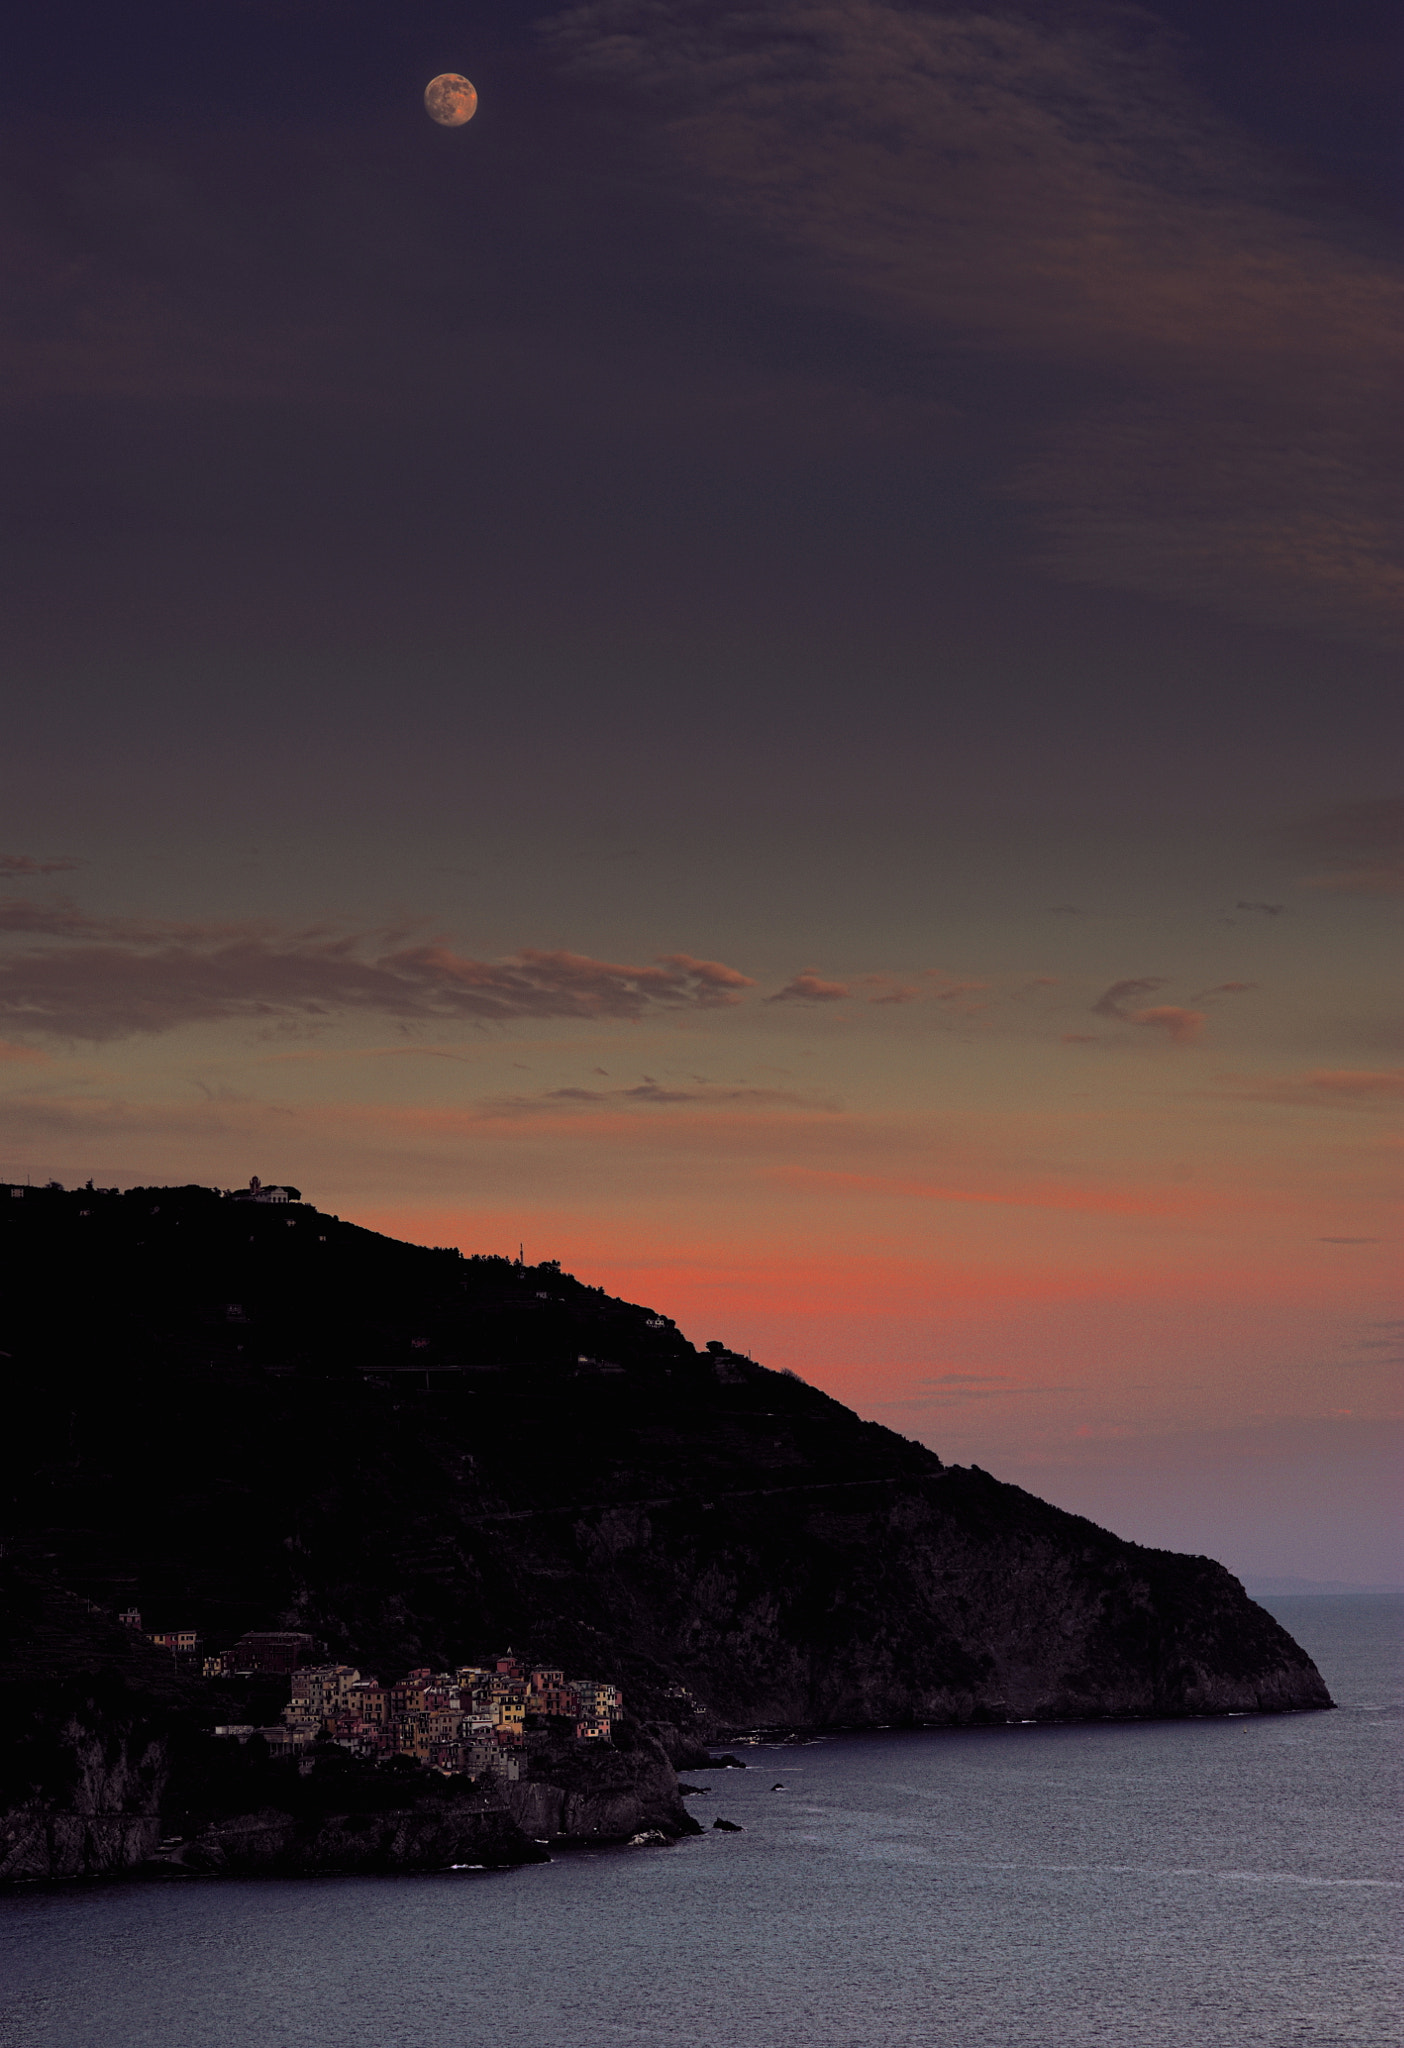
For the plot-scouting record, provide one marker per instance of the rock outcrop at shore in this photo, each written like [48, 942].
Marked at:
[600, 1794]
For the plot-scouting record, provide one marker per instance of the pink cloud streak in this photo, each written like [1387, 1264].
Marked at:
[109, 978]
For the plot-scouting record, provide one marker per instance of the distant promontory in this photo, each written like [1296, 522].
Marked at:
[246, 1414]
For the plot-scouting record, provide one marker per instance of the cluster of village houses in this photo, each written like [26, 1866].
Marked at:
[476, 1718]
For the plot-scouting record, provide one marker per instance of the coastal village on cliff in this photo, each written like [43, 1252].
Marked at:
[479, 1717]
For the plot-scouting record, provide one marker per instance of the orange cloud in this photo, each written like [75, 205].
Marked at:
[1182, 1027]
[808, 988]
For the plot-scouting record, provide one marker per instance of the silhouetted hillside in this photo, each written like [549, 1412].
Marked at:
[245, 1416]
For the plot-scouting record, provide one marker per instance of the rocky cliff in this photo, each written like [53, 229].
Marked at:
[934, 1599]
[312, 1830]
[87, 1714]
[600, 1794]
[238, 1416]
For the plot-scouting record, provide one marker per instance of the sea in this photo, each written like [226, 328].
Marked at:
[1227, 1883]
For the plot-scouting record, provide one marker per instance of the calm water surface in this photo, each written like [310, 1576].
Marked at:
[1210, 1882]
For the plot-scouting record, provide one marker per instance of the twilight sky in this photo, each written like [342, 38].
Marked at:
[773, 670]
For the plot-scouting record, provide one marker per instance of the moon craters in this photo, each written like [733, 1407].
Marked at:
[450, 99]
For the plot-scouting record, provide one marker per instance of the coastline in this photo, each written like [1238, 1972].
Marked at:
[602, 1798]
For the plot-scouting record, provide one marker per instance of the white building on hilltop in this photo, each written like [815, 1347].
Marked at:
[257, 1192]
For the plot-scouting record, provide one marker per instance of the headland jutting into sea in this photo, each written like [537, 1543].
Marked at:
[234, 1414]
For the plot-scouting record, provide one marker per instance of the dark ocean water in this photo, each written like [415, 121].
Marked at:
[1181, 1884]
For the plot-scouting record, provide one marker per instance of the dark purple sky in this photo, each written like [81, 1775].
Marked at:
[898, 503]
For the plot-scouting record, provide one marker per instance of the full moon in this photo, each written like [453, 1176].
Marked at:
[450, 100]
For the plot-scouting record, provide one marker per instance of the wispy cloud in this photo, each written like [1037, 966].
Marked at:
[1224, 988]
[1042, 184]
[23, 864]
[100, 979]
[71, 973]
[929, 984]
[1122, 1002]
[809, 988]
[1383, 1346]
[926, 984]
[59, 917]
[1116, 1001]
[654, 1094]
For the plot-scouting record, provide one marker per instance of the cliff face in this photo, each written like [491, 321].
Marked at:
[107, 1823]
[938, 1599]
[87, 1710]
[600, 1795]
[241, 1417]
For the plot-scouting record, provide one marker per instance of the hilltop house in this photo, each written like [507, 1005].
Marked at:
[257, 1192]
